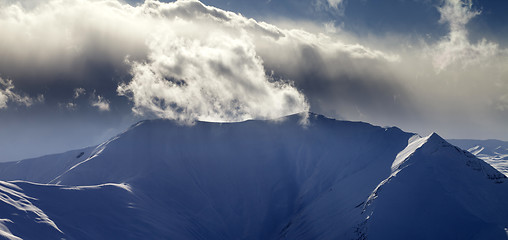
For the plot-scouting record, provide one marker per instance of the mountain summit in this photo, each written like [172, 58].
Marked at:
[276, 179]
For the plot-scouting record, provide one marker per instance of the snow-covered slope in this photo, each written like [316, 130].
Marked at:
[35, 211]
[20, 215]
[437, 189]
[494, 152]
[269, 180]
[43, 169]
[246, 180]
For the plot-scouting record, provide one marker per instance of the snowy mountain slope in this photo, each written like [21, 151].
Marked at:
[43, 169]
[437, 189]
[59, 212]
[494, 152]
[271, 180]
[263, 171]
[19, 214]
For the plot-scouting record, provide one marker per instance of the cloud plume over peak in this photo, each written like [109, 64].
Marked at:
[178, 70]
[213, 75]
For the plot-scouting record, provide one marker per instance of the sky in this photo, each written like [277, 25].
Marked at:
[74, 73]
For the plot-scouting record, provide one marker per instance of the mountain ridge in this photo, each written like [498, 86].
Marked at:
[326, 179]
[494, 152]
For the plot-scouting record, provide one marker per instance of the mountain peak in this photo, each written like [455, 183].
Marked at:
[435, 137]
[435, 152]
[434, 143]
[416, 143]
[429, 174]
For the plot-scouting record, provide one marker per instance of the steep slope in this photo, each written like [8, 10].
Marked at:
[20, 215]
[43, 169]
[437, 189]
[279, 179]
[494, 152]
[35, 211]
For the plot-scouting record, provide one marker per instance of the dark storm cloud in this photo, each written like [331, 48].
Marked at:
[52, 47]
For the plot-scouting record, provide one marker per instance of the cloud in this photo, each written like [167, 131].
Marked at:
[502, 103]
[224, 68]
[331, 27]
[40, 98]
[79, 92]
[213, 75]
[79, 41]
[455, 48]
[335, 3]
[184, 60]
[164, 44]
[214, 79]
[68, 106]
[71, 106]
[7, 94]
[207, 63]
[334, 7]
[99, 102]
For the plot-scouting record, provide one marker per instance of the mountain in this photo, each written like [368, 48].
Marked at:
[35, 211]
[438, 188]
[43, 169]
[494, 152]
[277, 179]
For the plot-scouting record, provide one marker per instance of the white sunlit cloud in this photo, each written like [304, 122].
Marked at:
[8, 94]
[78, 92]
[212, 75]
[99, 102]
[71, 106]
[455, 48]
[335, 3]
[335, 7]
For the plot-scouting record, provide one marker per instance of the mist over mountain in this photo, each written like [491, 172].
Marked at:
[91, 68]
[272, 179]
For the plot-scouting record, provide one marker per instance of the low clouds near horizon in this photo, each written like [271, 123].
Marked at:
[8, 94]
[184, 60]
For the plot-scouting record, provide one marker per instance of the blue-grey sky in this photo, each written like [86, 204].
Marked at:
[74, 73]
